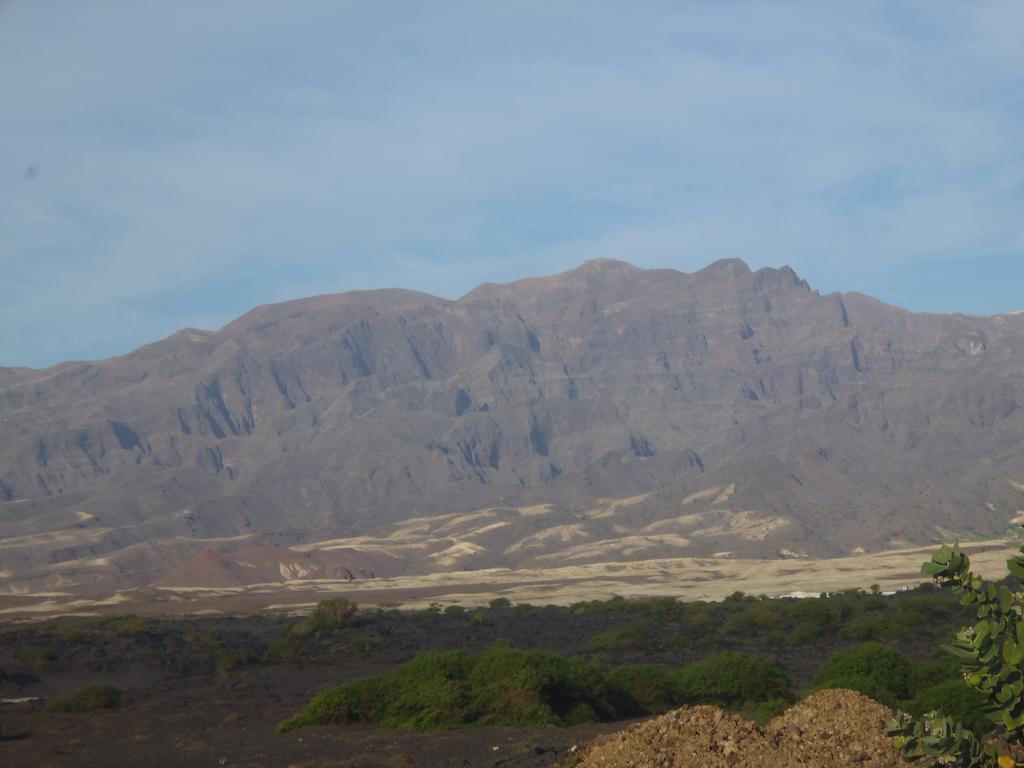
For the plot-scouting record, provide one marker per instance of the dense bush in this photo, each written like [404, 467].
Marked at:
[517, 687]
[733, 680]
[879, 626]
[36, 658]
[874, 669]
[954, 698]
[508, 686]
[615, 604]
[763, 711]
[131, 625]
[451, 689]
[812, 620]
[284, 651]
[328, 617]
[87, 700]
[643, 688]
[990, 650]
[663, 608]
[331, 615]
[633, 635]
[64, 632]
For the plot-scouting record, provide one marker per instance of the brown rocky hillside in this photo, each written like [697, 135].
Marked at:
[645, 413]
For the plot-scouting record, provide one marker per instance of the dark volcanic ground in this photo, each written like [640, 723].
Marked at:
[210, 691]
[193, 722]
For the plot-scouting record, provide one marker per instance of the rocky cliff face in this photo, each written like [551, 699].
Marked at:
[847, 422]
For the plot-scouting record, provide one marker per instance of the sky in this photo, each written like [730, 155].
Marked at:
[168, 165]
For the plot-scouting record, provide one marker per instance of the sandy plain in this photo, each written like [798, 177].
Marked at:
[685, 578]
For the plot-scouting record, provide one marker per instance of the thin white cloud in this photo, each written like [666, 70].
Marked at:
[182, 146]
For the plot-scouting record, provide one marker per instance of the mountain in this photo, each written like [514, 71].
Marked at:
[604, 414]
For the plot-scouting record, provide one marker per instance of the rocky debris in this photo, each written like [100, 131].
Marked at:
[836, 728]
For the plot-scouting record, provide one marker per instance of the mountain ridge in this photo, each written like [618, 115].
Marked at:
[341, 415]
[326, 298]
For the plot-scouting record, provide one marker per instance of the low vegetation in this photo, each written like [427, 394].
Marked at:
[450, 689]
[87, 700]
[635, 635]
[615, 658]
[873, 669]
[508, 686]
[329, 616]
[735, 681]
[644, 688]
[745, 620]
[991, 655]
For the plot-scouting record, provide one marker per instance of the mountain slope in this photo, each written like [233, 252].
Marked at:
[854, 423]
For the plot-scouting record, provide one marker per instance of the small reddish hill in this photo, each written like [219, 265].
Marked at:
[270, 565]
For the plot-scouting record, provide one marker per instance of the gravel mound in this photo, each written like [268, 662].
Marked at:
[835, 728]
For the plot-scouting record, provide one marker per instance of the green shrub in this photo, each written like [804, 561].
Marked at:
[358, 701]
[812, 619]
[766, 710]
[664, 608]
[630, 636]
[867, 628]
[499, 602]
[874, 669]
[678, 642]
[873, 603]
[928, 608]
[732, 680]
[427, 693]
[454, 610]
[332, 615]
[87, 700]
[647, 689]
[202, 641]
[363, 642]
[925, 674]
[225, 660]
[991, 655]
[758, 617]
[956, 699]
[329, 617]
[285, 651]
[35, 658]
[616, 604]
[441, 690]
[699, 621]
[517, 687]
[131, 625]
[67, 633]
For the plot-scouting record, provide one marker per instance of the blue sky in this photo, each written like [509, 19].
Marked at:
[173, 164]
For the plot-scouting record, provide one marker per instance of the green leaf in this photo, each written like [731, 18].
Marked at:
[1016, 567]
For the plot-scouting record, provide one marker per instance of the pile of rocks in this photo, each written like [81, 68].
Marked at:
[835, 728]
